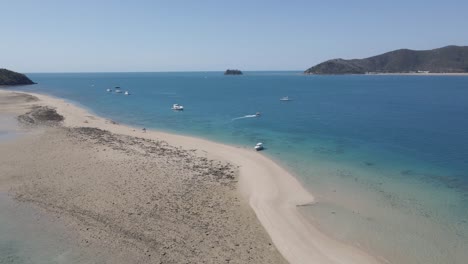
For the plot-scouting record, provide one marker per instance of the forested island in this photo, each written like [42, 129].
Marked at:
[232, 72]
[450, 59]
[8, 77]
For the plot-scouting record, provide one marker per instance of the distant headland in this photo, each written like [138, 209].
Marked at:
[232, 72]
[8, 77]
[450, 60]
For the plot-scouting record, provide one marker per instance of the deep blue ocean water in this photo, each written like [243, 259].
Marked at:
[385, 156]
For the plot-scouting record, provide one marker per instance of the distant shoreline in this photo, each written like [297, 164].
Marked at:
[423, 74]
[448, 59]
[398, 74]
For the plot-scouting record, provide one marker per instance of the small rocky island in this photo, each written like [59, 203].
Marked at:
[232, 72]
[8, 77]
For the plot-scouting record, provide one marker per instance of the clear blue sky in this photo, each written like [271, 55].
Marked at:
[198, 35]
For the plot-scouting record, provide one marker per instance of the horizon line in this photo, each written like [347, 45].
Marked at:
[201, 71]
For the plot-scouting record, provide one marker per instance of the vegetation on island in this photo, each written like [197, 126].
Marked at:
[450, 59]
[8, 77]
[232, 72]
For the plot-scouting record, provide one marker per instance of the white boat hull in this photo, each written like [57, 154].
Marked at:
[177, 107]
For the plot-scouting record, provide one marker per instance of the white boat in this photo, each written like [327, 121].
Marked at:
[257, 114]
[259, 146]
[285, 98]
[117, 90]
[127, 93]
[109, 90]
[177, 107]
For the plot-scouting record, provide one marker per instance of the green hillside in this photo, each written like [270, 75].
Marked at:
[450, 59]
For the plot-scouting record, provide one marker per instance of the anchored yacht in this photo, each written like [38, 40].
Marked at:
[177, 107]
[259, 146]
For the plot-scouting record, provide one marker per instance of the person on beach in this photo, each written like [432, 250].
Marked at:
[144, 130]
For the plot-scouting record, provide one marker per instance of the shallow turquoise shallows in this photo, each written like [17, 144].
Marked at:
[385, 156]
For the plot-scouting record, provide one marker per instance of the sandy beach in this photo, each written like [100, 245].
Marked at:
[153, 196]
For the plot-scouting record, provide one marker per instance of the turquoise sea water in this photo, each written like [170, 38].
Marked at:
[385, 156]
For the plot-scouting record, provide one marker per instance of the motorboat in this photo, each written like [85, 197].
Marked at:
[117, 89]
[109, 90]
[257, 114]
[127, 93]
[285, 98]
[177, 107]
[259, 146]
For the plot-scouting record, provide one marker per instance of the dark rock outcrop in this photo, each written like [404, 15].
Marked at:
[41, 115]
[8, 77]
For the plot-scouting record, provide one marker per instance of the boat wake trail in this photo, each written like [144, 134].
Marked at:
[242, 117]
